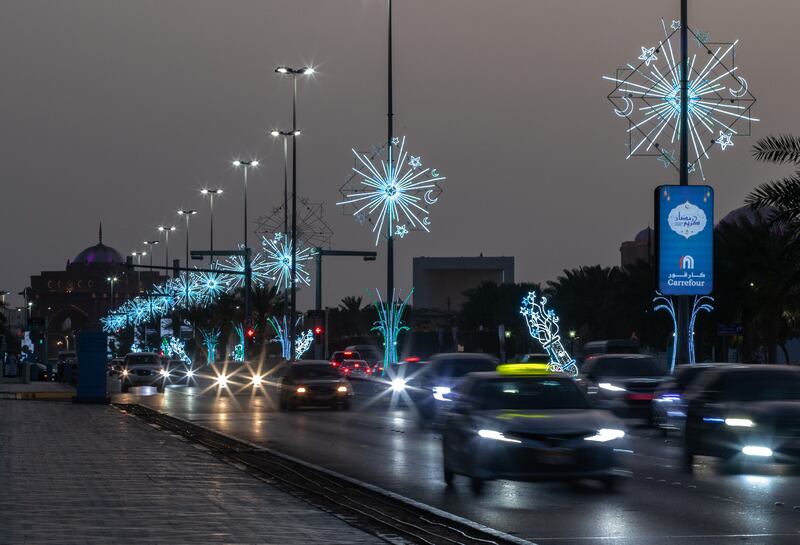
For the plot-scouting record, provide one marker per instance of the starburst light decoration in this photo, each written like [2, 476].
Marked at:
[543, 326]
[391, 191]
[278, 261]
[233, 267]
[390, 325]
[209, 286]
[647, 94]
[184, 291]
[661, 302]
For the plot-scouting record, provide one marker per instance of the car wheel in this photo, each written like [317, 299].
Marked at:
[477, 485]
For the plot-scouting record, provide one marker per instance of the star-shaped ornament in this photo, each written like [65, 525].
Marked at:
[648, 55]
[725, 139]
[415, 162]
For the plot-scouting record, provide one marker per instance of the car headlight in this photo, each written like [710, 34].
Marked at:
[124, 372]
[398, 384]
[755, 450]
[439, 392]
[164, 372]
[610, 387]
[189, 373]
[739, 422]
[342, 389]
[605, 434]
[301, 390]
[497, 436]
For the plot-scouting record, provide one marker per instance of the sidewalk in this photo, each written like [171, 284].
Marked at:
[82, 474]
[37, 390]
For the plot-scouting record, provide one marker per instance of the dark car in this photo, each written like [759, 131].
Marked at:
[340, 355]
[369, 353]
[744, 412]
[669, 403]
[441, 374]
[525, 428]
[622, 383]
[314, 383]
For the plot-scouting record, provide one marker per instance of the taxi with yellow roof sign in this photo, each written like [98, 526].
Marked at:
[524, 422]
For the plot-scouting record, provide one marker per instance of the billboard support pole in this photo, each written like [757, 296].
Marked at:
[683, 303]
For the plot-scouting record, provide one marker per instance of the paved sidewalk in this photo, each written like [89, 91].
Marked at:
[82, 474]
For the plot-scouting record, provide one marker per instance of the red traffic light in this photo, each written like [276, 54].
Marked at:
[318, 330]
[250, 332]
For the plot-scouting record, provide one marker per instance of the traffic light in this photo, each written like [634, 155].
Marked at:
[318, 331]
[250, 332]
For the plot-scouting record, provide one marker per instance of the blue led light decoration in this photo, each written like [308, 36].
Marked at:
[390, 325]
[301, 343]
[543, 326]
[647, 94]
[238, 350]
[397, 190]
[176, 349]
[278, 261]
[209, 286]
[184, 291]
[702, 303]
[661, 302]
[233, 266]
[211, 339]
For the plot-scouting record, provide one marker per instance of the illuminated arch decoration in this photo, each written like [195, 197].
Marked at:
[397, 190]
[278, 261]
[390, 325]
[543, 326]
[661, 302]
[647, 94]
[702, 303]
[210, 340]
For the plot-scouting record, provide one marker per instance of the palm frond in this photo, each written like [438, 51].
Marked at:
[782, 195]
[784, 148]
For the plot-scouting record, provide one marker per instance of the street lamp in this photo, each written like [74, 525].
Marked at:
[294, 72]
[166, 231]
[211, 193]
[112, 280]
[187, 214]
[150, 243]
[245, 165]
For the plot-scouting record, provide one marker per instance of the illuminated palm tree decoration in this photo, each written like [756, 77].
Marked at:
[301, 343]
[702, 303]
[211, 339]
[665, 303]
[390, 325]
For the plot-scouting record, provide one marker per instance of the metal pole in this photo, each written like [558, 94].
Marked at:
[245, 206]
[683, 303]
[318, 299]
[285, 213]
[247, 276]
[292, 354]
[186, 277]
[211, 242]
[390, 135]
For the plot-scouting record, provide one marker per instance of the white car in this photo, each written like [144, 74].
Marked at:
[143, 369]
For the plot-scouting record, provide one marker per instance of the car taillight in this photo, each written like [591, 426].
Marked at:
[334, 364]
[412, 359]
[348, 353]
[356, 366]
[369, 371]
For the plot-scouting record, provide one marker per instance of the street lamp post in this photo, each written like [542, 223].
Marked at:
[111, 280]
[166, 231]
[246, 165]
[294, 72]
[211, 193]
[150, 243]
[187, 214]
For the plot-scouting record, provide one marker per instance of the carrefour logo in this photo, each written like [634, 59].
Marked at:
[686, 263]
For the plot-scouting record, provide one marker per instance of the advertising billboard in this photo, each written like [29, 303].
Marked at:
[685, 239]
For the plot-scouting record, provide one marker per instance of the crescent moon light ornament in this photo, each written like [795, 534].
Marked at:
[628, 108]
[742, 90]
[426, 221]
[429, 198]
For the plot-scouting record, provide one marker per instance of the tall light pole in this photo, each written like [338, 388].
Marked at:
[187, 213]
[683, 303]
[245, 166]
[111, 280]
[294, 72]
[390, 137]
[150, 243]
[285, 137]
[166, 231]
[211, 193]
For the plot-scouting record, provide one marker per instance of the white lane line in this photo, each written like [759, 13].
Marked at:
[651, 539]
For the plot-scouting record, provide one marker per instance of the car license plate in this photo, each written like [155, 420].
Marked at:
[557, 457]
[640, 397]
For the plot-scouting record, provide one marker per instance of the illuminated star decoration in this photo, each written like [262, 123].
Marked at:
[233, 266]
[676, 25]
[210, 285]
[667, 157]
[390, 191]
[401, 231]
[278, 261]
[543, 326]
[725, 139]
[415, 161]
[647, 95]
[648, 55]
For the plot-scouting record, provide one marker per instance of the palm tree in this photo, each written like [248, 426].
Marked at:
[351, 304]
[783, 196]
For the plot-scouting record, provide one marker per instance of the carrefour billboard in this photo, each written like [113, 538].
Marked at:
[685, 239]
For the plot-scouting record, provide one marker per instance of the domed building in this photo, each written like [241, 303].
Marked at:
[66, 302]
[641, 248]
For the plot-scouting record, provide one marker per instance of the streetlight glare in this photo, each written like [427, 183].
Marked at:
[282, 70]
[275, 132]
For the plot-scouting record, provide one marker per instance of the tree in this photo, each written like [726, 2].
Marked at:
[782, 196]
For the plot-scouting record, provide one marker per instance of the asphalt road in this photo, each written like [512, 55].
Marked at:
[381, 444]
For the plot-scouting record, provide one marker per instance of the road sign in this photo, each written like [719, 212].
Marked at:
[685, 239]
[729, 330]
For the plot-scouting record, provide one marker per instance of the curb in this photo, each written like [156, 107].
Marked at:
[53, 396]
[377, 489]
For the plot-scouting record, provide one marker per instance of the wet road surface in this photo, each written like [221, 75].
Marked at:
[380, 443]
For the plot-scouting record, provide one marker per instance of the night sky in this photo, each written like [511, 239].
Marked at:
[120, 111]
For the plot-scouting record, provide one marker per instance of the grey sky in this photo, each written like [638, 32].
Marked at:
[121, 111]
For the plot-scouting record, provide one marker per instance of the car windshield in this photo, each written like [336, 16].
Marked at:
[313, 372]
[143, 359]
[627, 367]
[764, 385]
[538, 393]
[456, 368]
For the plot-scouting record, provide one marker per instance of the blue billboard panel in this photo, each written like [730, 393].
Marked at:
[685, 239]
